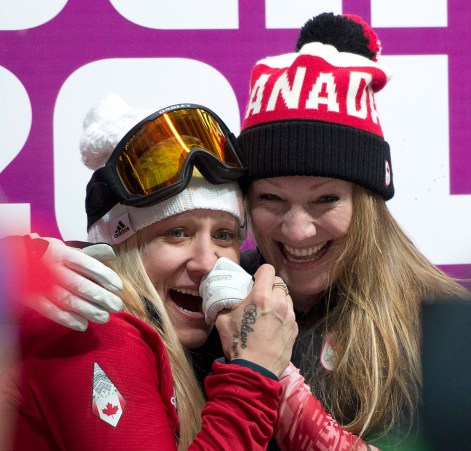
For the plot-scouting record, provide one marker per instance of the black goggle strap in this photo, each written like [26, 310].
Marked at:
[214, 170]
[104, 191]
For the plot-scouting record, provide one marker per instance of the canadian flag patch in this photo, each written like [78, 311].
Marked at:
[107, 402]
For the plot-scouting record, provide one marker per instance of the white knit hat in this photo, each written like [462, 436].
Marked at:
[104, 126]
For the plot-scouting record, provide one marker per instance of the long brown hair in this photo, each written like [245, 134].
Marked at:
[380, 280]
[188, 394]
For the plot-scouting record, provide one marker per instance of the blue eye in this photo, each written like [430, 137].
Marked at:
[176, 233]
[224, 235]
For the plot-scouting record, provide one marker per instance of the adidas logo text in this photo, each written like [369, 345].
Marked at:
[121, 229]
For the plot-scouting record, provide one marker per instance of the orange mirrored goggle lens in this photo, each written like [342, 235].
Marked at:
[154, 156]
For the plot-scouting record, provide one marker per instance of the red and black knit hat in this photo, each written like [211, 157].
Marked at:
[313, 112]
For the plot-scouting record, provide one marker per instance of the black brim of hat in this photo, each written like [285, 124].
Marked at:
[316, 148]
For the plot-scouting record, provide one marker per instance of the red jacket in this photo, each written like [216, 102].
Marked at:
[111, 388]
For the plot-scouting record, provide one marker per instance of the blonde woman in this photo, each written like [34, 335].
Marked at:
[319, 175]
[129, 383]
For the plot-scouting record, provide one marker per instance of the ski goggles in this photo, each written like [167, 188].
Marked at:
[154, 161]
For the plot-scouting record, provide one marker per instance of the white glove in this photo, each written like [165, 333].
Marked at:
[224, 287]
[82, 286]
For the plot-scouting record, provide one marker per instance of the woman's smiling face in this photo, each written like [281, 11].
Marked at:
[178, 252]
[299, 223]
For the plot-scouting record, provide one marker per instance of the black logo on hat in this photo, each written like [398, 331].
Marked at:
[121, 229]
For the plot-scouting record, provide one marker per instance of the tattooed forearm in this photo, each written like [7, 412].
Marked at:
[249, 317]
[235, 345]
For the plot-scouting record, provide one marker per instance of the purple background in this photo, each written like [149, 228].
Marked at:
[45, 56]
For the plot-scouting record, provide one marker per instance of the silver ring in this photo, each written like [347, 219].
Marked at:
[282, 286]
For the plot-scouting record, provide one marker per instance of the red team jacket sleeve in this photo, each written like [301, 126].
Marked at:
[111, 388]
[303, 424]
[241, 410]
[57, 381]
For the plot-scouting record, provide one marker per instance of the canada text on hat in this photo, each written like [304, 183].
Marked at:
[318, 83]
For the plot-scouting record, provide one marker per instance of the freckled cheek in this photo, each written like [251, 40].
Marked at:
[230, 252]
[264, 225]
[264, 220]
[159, 267]
[156, 275]
[340, 223]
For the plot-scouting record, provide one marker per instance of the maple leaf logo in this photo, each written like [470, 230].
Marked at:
[110, 409]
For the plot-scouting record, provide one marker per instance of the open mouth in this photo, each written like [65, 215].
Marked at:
[305, 254]
[187, 300]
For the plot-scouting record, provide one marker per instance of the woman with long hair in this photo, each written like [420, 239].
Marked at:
[319, 175]
[165, 197]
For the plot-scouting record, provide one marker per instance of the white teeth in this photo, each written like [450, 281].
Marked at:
[306, 253]
[188, 311]
[185, 291]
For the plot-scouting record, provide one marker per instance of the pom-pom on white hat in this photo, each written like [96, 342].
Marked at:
[104, 126]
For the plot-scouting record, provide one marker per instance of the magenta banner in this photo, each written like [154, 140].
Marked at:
[58, 57]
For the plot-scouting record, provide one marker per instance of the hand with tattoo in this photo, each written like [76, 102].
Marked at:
[262, 328]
